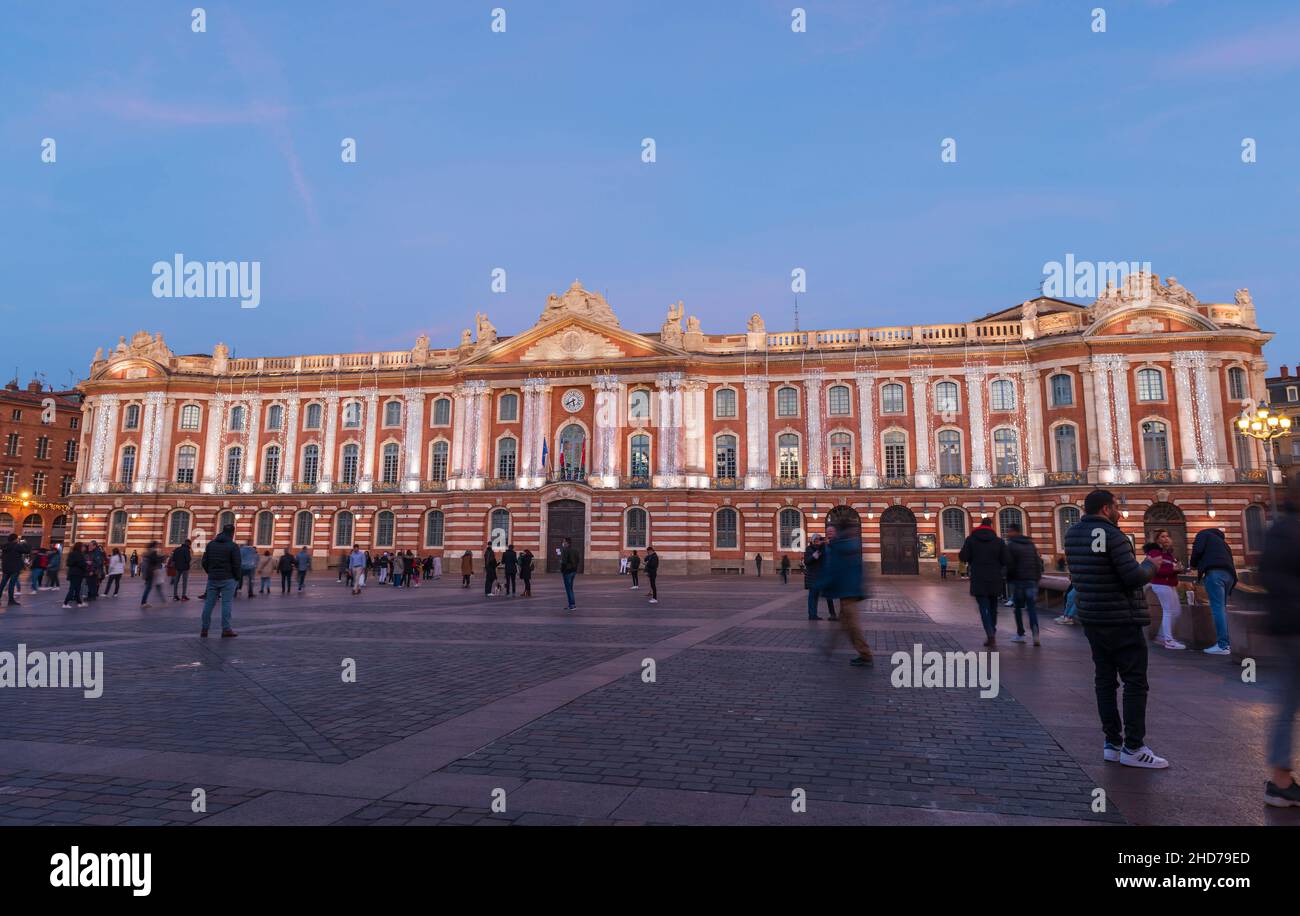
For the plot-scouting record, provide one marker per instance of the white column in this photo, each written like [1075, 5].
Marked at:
[151, 433]
[1101, 378]
[212, 447]
[1210, 413]
[471, 432]
[103, 443]
[1032, 385]
[530, 457]
[1185, 404]
[693, 409]
[925, 476]
[289, 456]
[1128, 469]
[326, 481]
[757, 446]
[604, 451]
[669, 430]
[460, 405]
[1088, 382]
[413, 438]
[367, 482]
[815, 478]
[869, 478]
[979, 446]
[254, 421]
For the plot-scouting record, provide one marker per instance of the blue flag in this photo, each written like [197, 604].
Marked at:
[543, 451]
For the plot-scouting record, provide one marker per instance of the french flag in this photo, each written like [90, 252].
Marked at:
[544, 451]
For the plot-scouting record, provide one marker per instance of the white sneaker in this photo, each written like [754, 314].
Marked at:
[1215, 650]
[1143, 757]
[1018, 638]
[634, 588]
[654, 600]
[1008, 604]
[1172, 643]
[1110, 753]
[67, 607]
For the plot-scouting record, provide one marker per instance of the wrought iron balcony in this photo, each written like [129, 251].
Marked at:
[388, 487]
[1065, 478]
[1163, 475]
[841, 482]
[576, 475]
[788, 483]
[304, 487]
[635, 482]
[1008, 480]
[344, 488]
[901, 482]
[954, 480]
[727, 483]
[1252, 475]
[500, 483]
[175, 486]
[118, 486]
[433, 486]
[266, 488]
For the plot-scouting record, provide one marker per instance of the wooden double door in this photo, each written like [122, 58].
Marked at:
[898, 542]
[565, 518]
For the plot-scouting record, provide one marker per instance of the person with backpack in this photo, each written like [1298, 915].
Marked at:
[634, 570]
[985, 555]
[1212, 560]
[223, 563]
[1108, 580]
[1024, 571]
[652, 572]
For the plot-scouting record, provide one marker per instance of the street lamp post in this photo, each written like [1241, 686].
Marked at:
[1267, 427]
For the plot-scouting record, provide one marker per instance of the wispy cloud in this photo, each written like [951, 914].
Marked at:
[1266, 49]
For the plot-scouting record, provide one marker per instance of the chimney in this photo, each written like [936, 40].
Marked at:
[1286, 371]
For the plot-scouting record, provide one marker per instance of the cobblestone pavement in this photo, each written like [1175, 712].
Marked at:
[463, 704]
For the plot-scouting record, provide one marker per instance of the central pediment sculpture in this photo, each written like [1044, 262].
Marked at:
[578, 303]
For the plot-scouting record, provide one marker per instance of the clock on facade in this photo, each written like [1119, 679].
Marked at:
[573, 400]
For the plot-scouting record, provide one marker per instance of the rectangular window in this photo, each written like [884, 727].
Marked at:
[38, 483]
[65, 485]
[70, 450]
[43, 447]
[787, 402]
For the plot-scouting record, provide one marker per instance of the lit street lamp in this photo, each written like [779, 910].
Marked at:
[1267, 427]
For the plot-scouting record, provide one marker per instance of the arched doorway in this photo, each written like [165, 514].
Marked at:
[898, 554]
[33, 530]
[1168, 516]
[565, 518]
[843, 516]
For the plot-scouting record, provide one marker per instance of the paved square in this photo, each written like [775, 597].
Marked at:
[457, 695]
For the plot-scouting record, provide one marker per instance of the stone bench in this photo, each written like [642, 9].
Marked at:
[1053, 584]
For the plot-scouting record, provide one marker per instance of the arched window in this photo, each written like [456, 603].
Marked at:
[234, 465]
[237, 418]
[187, 460]
[724, 403]
[1010, 516]
[438, 461]
[1066, 518]
[384, 526]
[178, 527]
[892, 398]
[224, 519]
[59, 529]
[837, 401]
[1237, 383]
[1150, 385]
[131, 417]
[442, 412]
[727, 528]
[116, 527]
[343, 529]
[433, 528]
[351, 458]
[506, 455]
[1255, 529]
[311, 464]
[787, 402]
[392, 413]
[949, 452]
[639, 456]
[390, 465]
[191, 416]
[724, 456]
[945, 398]
[6, 524]
[1065, 441]
[265, 529]
[499, 528]
[1062, 391]
[274, 417]
[1155, 445]
[508, 408]
[954, 528]
[637, 525]
[573, 452]
[841, 455]
[787, 454]
[895, 453]
[127, 469]
[312, 418]
[638, 404]
[271, 466]
[790, 528]
[303, 526]
[1006, 451]
[1245, 447]
[1002, 394]
[352, 415]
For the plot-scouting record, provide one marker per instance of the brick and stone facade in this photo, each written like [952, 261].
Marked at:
[39, 438]
[713, 448]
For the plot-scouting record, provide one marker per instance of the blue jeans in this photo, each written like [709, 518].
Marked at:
[37, 572]
[226, 589]
[1217, 583]
[10, 581]
[813, 595]
[1024, 592]
[1288, 704]
[568, 587]
[148, 587]
[988, 613]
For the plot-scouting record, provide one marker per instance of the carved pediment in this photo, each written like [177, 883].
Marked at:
[572, 343]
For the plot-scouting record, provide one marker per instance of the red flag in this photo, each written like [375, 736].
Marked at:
[582, 459]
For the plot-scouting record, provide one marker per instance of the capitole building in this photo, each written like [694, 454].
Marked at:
[712, 448]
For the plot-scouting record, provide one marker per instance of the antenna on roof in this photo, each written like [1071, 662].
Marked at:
[796, 313]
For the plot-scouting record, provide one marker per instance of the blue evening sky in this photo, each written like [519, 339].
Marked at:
[522, 150]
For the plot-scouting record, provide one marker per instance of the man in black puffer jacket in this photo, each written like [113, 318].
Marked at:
[1024, 569]
[1107, 577]
[222, 563]
[985, 555]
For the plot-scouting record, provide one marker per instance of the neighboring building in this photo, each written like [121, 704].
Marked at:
[39, 442]
[1284, 398]
[711, 447]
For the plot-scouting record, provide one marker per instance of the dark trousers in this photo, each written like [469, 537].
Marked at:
[1025, 595]
[1120, 653]
[9, 582]
[74, 589]
[510, 583]
[636, 578]
[528, 584]
[943, 572]
[464, 580]
[246, 576]
[988, 613]
[489, 580]
[92, 588]
[302, 577]
[114, 583]
[654, 589]
[181, 584]
[52, 578]
[785, 576]
[286, 582]
[813, 596]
